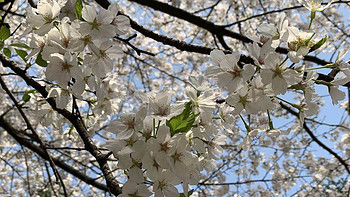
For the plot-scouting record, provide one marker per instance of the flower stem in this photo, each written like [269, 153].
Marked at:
[245, 124]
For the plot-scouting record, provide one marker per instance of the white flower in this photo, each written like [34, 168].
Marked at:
[101, 62]
[128, 123]
[275, 34]
[314, 5]
[296, 56]
[280, 76]
[259, 53]
[339, 62]
[227, 118]
[68, 10]
[180, 158]
[161, 146]
[297, 36]
[62, 96]
[160, 105]
[46, 115]
[245, 145]
[203, 104]
[130, 188]
[37, 43]
[299, 44]
[67, 36]
[343, 76]
[149, 162]
[62, 68]
[336, 94]
[260, 95]
[214, 145]
[273, 134]
[98, 26]
[121, 22]
[122, 147]
[164, 185]
[231, 76]
[215, 57]
[305, 85]
[200, 83]
[131, 156]
[195, 137]
[43, 16]
[242, 100]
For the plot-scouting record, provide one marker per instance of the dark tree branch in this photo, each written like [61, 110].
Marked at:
[138, 51]
[13, 13]
[214, 29]
[207, 25]
[7, 11]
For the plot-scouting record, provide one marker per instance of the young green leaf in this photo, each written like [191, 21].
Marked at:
[26, 97]
[7, 52]
[183, 122]
[78, 9]
[1, 44]
[22, 54]
[20, 45]
[318, 44]
[188, 194]
[39, 60]
[4, 32]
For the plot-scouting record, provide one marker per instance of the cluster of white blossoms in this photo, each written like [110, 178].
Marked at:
[78, 48]
[164, 144]
[257, 87]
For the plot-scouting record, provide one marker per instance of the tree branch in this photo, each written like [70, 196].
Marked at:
[209, 26]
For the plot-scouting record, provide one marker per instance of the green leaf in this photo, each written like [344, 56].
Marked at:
[22, 54]
[183, 122]
[26, 97]
[4, 32]
[78, 9]
[318, 44]
[188, 194]
[7, 52]
[39, 60]
[20, 45]
[1, 44]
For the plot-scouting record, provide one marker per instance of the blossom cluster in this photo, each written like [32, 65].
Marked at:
[257, 87]
[165, 144]
[77, 47]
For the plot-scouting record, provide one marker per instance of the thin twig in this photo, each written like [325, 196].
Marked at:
[58, 177]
